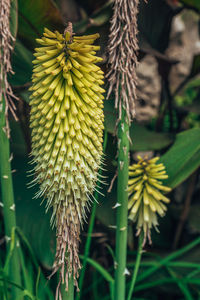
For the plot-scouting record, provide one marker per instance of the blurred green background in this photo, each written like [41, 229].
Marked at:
[167, 124]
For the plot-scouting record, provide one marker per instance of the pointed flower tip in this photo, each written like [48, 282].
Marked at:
[146, 194]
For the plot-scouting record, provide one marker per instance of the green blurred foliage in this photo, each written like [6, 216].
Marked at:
[178, 149]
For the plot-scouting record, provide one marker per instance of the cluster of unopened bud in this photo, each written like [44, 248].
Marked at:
[146, 198]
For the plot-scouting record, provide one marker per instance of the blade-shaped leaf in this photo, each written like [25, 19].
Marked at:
[34, 15]
[183, 158]
[193, 218]
[142, 138]
[195, 69]
[154, 24]
[31, 216]
[22, 65]
[98, 18]
[193, 4]
[13, 17]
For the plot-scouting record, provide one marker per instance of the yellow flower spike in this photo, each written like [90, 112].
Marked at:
[145, 190]
[67, 130]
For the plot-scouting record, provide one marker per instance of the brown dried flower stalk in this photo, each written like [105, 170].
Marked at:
[6, 47]
[122, 60]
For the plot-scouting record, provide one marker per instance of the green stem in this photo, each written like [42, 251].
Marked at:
[68, 295]
[137, 265]
[122, 208]
[8, 203]
[90, 229]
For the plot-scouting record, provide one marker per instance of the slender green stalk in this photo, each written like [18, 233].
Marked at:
[8, 199]
[137, 265]
[90, 229]
[122, 208]
[68, 295]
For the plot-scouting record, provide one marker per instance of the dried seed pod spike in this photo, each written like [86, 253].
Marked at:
[122, 61]
[6, 46]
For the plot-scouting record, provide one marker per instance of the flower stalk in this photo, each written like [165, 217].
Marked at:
[137, 265]
[6, 105]
[69, 294]
[7, 196]
[122, 208]
[122, 78]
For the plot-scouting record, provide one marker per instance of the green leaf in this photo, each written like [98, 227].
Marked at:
[194, 217]
[183, 158]
[13, 18]
[154, 24]
[34, 16]
[22, 65]
[31, 216]
[142, 138]
[100, 269]
[195, 69]
[104, 212]
[98, 18]
[193, 4]
[18, 144]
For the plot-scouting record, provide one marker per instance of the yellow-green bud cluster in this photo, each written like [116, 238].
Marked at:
[67, 129]
[146, 194]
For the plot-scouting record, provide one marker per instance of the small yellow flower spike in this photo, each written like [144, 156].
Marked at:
[146, 194]
[67, 134]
